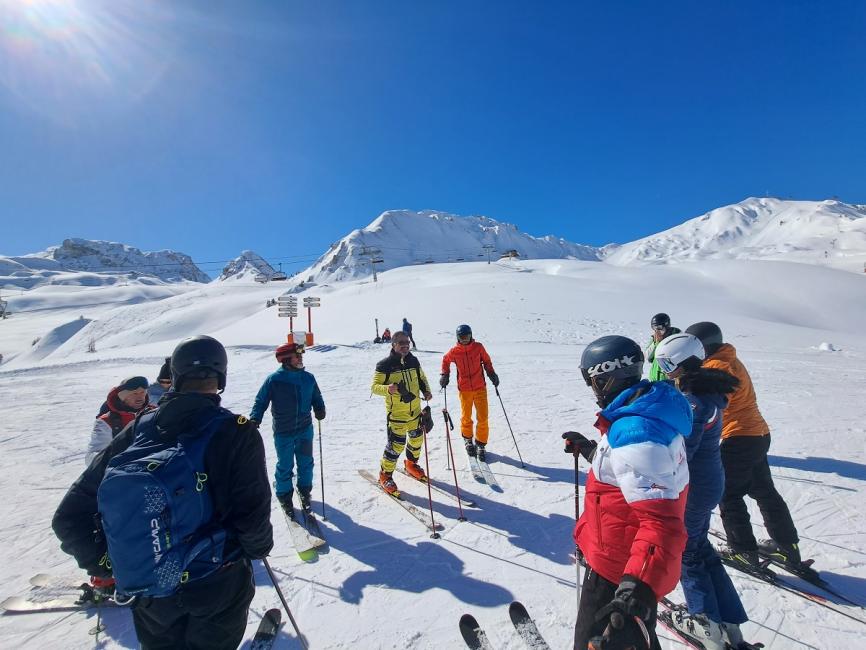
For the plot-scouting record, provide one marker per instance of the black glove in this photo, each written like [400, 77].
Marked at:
[494, 379]
[320, 415]
[444, 379]
[255, 423]
[405, 395]
[633, 603]
[577, 443]
[426, 419]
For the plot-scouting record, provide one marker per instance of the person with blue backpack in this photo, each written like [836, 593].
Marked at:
[175, 509]
[291, 392]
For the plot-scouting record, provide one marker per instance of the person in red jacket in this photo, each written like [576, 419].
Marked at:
[121, 406]
[472, 361]
[631, 532]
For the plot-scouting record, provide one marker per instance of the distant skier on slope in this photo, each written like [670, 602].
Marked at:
[661, 329]
[745, 443]
[124, 401]
[400, 380]
[291, 392]
[209, 596]
[407, 330]
[715, 611]
[472, 362]
[631, 531]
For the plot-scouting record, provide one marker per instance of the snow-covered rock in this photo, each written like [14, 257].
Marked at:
[246, 266]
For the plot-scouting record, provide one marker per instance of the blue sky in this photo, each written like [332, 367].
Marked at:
[209, 127]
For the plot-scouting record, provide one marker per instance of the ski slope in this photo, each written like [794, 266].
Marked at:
[385, 583]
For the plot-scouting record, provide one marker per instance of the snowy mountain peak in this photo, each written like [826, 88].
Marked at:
[405, 237]
[246, 266]
[92, 262]
[103, 256]
[819, 232]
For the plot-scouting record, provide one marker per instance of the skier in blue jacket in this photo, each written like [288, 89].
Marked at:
[291, 392]
[715, 611]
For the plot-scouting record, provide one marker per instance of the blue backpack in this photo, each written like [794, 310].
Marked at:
[157, 513]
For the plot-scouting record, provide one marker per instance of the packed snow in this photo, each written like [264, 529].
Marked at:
[384, 582]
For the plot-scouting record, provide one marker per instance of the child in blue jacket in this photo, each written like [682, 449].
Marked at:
[291, 392]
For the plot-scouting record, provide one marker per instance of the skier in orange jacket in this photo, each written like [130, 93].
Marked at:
[470, 357]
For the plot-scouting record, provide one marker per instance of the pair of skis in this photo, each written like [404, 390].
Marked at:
[481, 472]
[419, 514]
[56, 594]
[476, 638]
[804, 571]
[307, 539]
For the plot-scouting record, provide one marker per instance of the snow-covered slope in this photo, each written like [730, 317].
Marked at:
[246, 266]
[402, 238]
[534, 318]
[828, 233]
[91, 263]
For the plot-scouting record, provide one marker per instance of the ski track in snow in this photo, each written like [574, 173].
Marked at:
[384, 583]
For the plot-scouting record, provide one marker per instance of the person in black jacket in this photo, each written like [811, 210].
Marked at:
[210, 612]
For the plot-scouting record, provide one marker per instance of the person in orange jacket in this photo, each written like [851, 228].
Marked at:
[744, 447]
[470, 357]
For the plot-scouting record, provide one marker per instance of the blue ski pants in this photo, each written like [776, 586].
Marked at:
[292, 447]
[707, 587]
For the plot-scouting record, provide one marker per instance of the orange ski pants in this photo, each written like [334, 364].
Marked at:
[478, 399]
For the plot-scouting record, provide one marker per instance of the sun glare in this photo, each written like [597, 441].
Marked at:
[66, 59]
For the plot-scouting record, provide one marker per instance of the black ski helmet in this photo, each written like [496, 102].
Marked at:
[463, 330]
[661, 320]
[609, 365]
[200, 357]
[709, 334]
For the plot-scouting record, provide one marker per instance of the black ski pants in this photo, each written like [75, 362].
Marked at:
[595, 593]
[208, 614]
[747, 472]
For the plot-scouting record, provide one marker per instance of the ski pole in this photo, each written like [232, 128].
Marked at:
[447, 417]
[576, 519]
[273, 578]
[322, 470]
[449, 426]
[496, 388]
[434, 534]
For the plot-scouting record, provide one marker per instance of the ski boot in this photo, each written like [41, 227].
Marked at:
[699, 628]
[481, 448]
[732, 635]
[386, 481]
[784, 553]
[414, 470]
[285, 500]
[748, 558]
[470, 447]
[306, 506]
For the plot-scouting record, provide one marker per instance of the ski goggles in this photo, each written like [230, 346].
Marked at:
[464, 338]
[666, 365]
[660, 328]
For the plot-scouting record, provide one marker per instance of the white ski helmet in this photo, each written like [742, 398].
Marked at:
[679, 351]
